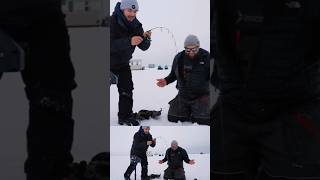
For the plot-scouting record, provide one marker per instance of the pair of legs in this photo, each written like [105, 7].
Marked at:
[183, 109]
[283, 146]
[176, 174]
[49, 80]
[125, 88]
[134, 160]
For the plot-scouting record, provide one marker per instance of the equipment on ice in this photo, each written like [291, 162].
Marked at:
[146, 114]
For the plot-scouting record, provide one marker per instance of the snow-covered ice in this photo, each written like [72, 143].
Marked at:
[194, 139]
[200, 170]
[147, 95]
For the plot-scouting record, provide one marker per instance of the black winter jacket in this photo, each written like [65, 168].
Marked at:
[192, 75]
[175, 158]
[139, 145]
[121, 32]
[267, 50]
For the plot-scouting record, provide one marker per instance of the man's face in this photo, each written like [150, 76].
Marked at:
[174, 147]
[146, 130]
[130, 14]
[192, 50]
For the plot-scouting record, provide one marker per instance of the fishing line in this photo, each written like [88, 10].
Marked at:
[165, 29]
[164, 142]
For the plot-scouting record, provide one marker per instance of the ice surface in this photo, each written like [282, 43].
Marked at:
[200, 170]
[147, 95]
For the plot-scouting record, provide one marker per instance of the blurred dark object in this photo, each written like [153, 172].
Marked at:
[113, 78]
[147, 114]
[11, 54]
[96, 169]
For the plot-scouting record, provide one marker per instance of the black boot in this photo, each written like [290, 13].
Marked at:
[129, 171]
[146, 178]
[126, 176]
[131, 121]
[144, 173]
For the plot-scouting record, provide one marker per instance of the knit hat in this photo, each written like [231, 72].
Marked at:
[129, 4]
[174, 142]
[191, 40]
[144, 127]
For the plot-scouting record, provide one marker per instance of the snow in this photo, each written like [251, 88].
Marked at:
[194, 139]
[200, 170]
[147, 95]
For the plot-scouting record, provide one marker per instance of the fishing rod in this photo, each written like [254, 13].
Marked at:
[162, 28]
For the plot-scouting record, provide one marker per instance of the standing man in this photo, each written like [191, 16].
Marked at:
[39, 28]
[267, 68]
[175, 157]
[191, 70]
[126, 34]
[141, 142]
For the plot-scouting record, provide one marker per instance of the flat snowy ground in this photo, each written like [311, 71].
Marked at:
[147, 95]
[199, 171]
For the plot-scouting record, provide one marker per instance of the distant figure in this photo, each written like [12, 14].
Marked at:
[175, 157]
[141, 142]
[191, 70]
[126, 34]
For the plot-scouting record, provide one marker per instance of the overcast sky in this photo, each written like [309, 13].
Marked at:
[194, 139]
[182, 17]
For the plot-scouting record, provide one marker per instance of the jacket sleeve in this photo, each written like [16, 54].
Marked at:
[153, 143]
[145, 44]
[185, 156]
[172, 76]
[165, 159]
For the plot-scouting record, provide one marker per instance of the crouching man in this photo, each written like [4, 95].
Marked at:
[191, 70]
[175, 157]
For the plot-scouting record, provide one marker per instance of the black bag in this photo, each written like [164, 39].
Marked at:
[147, 114]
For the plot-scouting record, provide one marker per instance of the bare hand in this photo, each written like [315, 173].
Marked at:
[149, 142]
[160, 162]
[136, 40]
[147, 34]
[161, 82]
[192, 162]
